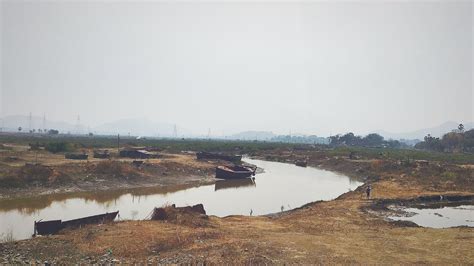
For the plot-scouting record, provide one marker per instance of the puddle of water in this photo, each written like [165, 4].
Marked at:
[444, 217]
[280, 185]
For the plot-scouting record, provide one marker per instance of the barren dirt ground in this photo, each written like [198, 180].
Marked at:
[55, 174]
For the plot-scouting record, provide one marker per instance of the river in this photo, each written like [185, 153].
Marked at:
[280, 187]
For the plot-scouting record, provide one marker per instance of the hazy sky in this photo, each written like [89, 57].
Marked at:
[311, 67]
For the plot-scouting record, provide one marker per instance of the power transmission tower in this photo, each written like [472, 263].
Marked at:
[78, 123]
[209, 133]
[175, 132]
[44, 121]
[29, 122]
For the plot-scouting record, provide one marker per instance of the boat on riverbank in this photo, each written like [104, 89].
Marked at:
[54, 226]
[234, 172]
[301, 163]
[76, 156]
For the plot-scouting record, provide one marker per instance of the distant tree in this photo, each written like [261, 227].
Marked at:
[373, 140]
[430, 143]
[428, 138]
[461, 128]
[334, 140]
[469, 141]
[55, 147]
[19, 129]
[453, 142]
[350, 139]
[53, 132]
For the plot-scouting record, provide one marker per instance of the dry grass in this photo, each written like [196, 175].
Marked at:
[7, 237]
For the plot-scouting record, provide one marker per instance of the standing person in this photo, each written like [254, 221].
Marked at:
[368, 190]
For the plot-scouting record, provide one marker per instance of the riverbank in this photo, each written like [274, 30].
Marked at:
[337, 231]
[28, 174]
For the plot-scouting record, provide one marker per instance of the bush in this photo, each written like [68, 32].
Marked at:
[10, 181]
[55, 147]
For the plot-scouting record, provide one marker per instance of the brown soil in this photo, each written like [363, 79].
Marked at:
[337, 231]
[27, 173]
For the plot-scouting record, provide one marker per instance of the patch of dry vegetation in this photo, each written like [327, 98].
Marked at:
[114, 169]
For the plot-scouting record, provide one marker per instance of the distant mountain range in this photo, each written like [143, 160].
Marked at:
[132, 126]
[142, 127]
[13, 122]
[146, 127]
[437, 131]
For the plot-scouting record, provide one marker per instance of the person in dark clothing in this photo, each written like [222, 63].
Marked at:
[368, 190]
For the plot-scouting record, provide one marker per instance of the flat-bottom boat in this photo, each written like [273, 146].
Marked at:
[301, 163]
[53, 226]
[234, 172]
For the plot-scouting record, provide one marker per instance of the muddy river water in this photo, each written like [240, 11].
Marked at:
[443, 217]
[280, 187]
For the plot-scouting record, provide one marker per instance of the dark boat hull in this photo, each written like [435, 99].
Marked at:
[101, 155]
[233, 173]
[301, 163]
[73, 156]
[54, 226]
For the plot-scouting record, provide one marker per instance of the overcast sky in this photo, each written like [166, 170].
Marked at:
[311, 67]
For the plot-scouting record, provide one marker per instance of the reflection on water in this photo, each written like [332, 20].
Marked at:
[31, 205]
[280, 185]
[237, 183]
[440, 217]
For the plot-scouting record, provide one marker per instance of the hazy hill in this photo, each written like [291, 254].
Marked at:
[134, 126]
[11, 123]
[140, 127]
[437, 131]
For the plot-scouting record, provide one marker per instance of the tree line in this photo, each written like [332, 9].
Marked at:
[456, 141]
[371, 140]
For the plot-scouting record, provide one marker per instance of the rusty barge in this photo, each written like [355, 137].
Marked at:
[54, 226]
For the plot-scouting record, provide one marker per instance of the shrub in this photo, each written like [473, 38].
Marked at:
[55, 147]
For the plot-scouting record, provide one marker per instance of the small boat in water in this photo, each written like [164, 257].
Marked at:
[301, 163]
[53, 226]
[234, 172]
